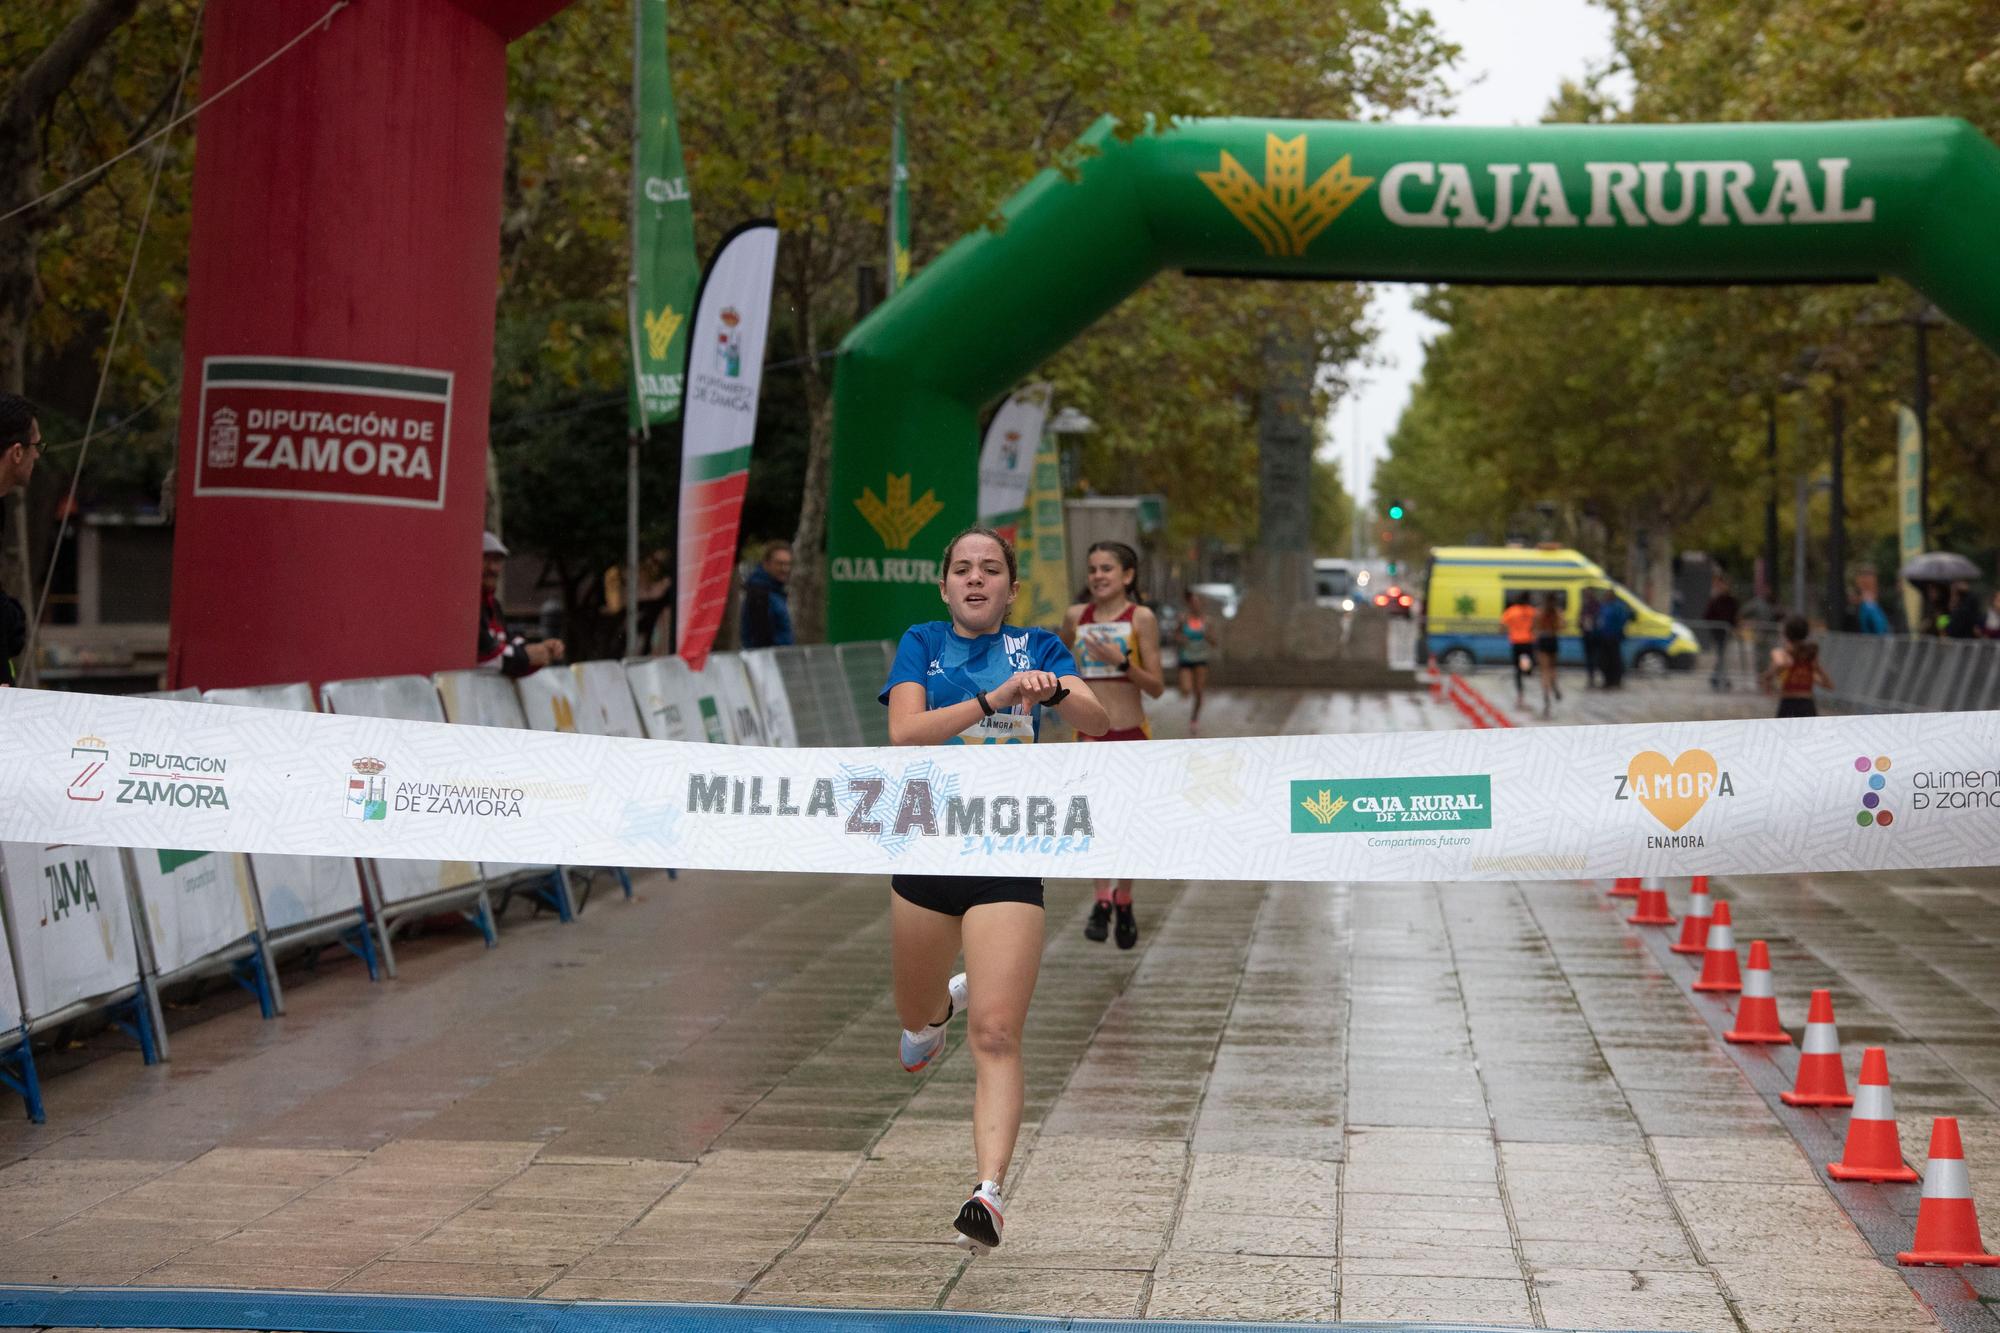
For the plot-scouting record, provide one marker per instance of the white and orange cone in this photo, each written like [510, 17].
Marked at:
[1822, 1080]
[1694, 926]
[1718, 959]
[1947, 1221]
[1625, 886]
[1872, 1151]
[1757, 1011]
[1652, 909]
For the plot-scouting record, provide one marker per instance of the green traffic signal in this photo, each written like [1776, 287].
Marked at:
[1396, 511]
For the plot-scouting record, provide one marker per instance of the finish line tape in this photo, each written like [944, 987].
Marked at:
[1746, 797]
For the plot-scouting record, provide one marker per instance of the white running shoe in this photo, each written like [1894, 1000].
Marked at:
[920, 1048]
[979, 1221]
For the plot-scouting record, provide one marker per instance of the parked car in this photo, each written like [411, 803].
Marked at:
[1219, 598]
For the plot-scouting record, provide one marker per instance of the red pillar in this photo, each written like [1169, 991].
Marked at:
[339, 344]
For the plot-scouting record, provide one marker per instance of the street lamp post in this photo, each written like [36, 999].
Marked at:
[1836, 524]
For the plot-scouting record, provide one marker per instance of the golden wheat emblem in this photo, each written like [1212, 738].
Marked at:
[898, 519]
[1282, 211]
[1324, 806]
[660, 329]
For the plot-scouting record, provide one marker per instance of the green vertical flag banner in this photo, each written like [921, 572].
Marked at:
[665, 268]
[1909, 503]
[899, 201]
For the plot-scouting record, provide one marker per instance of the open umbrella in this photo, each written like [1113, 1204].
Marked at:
[1940, 567]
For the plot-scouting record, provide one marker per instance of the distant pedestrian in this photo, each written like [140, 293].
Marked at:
[1722, 615]
[1612, 618]
[766, 621]
[1961, 620]
[1548, 648]
[1586, 628]
[1795, 670]
[1519, 622]
[1869, 618]
[499, 648]
[1989, 624]
[20, 447]
[1191, 639]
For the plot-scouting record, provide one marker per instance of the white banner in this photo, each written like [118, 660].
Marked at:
[72, 917]
[1847, 793]
[1007, 458]
[732, 317]
[195, 904]
[10, 989]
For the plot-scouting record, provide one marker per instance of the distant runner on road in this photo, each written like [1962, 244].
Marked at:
[1117, 639]
[975, 680]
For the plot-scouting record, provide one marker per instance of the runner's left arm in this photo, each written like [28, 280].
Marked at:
[1145, 667]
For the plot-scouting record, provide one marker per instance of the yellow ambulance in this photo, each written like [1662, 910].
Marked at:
[1467, 587]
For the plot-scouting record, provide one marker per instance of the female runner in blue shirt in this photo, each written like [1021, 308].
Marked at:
[974, 680]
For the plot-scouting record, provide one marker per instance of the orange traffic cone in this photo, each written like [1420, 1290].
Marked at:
[1757, 1012]
[1718, 957]
[1652, 909]
[1821, 1081]
[1436, 680]
[1872, 1152]
[1694, 926]
[1625, 887]
[1947, 1223]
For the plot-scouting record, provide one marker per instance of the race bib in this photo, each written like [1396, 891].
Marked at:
[1101, 649]
[1003, 728]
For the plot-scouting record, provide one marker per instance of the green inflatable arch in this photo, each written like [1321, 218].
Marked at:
[1832, 202]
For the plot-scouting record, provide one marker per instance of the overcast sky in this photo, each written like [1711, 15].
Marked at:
[1516, 55]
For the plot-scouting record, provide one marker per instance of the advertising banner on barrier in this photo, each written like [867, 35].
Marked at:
[298, 889]
[1740, 797]
[10, 989]
[732, 317]
[72, 918]
[194, 904]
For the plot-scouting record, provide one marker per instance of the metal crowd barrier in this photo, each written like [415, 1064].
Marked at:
[1872, 673]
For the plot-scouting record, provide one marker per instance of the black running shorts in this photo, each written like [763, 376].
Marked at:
[954, 894]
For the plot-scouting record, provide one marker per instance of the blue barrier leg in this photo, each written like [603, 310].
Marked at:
[673, 873]
[249, 973]
[482, 917]
[625, 881]
[17, 1071]
[360, 941]
[557, 896]
[140, 1027]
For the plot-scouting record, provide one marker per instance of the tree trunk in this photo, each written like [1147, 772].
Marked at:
[808, 586]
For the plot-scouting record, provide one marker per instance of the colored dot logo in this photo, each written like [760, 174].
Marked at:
[1872, 811]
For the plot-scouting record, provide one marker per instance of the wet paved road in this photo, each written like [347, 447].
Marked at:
[1476, 1103]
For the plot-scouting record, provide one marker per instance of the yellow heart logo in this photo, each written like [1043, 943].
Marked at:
[1672, 792]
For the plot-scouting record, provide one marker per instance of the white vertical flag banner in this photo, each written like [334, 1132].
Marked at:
[1007, 458]
[732, 319]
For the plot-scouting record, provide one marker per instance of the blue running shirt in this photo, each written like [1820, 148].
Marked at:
[952, 669]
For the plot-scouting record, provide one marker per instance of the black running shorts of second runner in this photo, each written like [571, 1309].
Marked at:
[953, 895]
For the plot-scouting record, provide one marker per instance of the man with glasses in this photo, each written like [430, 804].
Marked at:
[20, 446]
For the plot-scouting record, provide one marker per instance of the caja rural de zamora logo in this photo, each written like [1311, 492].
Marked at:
[1873, 812]
[1673, 791]
[1365, 805]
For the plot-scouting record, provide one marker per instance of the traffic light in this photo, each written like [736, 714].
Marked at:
[1396, 512]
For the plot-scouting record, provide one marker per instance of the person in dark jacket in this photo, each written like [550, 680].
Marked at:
[20, 447]
[766, 621]
[500, 650]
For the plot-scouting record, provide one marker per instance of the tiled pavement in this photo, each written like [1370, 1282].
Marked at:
[1477, 1103]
